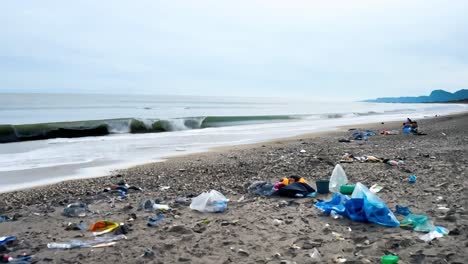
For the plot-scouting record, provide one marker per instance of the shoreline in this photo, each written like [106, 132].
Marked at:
[80, 176]
[259, 229]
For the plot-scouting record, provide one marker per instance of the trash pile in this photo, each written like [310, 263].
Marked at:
[121, 189]
[365, 206]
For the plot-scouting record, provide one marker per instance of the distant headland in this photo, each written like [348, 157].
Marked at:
[436, 96]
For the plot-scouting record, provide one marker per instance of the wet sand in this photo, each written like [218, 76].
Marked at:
[258, 229]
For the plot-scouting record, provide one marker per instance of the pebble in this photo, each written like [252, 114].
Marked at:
[277, 222]
[243, 252]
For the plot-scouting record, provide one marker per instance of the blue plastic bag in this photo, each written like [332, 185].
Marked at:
[335, 204]
[375, 209]
[4, 240]
[402, 210]
[355, 209]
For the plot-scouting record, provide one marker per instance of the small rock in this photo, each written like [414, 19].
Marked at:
[277, 222]
[179, 229]
[184, 259]
[243, 252]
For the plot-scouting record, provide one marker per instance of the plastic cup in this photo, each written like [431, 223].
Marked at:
[323, 186]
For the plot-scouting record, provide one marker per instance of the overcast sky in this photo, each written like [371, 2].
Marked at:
[349, 49]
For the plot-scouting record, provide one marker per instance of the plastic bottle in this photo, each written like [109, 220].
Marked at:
[75, 210]
[69, 245]
[389, 259]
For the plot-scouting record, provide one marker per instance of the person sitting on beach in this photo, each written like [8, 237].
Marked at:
[414, 127]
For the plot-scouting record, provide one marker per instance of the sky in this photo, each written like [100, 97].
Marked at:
[289, 48]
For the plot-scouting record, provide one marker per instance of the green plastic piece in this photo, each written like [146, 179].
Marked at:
[389, 259]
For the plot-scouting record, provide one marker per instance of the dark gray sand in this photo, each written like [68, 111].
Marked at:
[249, 231]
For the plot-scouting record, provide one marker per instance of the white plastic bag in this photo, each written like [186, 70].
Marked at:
[212, 202]
[337, 179]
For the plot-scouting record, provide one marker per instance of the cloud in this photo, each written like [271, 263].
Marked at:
[356, 49]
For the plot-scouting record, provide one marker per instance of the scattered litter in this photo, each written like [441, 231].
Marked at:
[75, 226]
[153, 221]
[209, 202]
[103, 227]
[77, 209]
[347, 189]
[148, 253]
[390, 132]
[337, 178]
[121, 189]
[20, 259]
[241, 199]
[402, 210]
[412, 179]
[163, 188]
[4, 218]
[443, 134]
[323, 186]
[339, 260]
[344, 140]
[315, 255]
[443, 208]
[98, 241]
[438, 232]
[439, 198]
[261, 188]
[4, 240]
[389, 259]
[337, 236]
[303, 151]
[364, 206]
[376, 188]
[160, 206]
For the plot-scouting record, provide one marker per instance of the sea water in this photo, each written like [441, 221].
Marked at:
[191, 124]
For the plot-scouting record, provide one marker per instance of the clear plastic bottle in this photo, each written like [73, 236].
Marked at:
[71, 244]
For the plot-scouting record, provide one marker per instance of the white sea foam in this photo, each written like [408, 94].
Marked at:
[97, 156]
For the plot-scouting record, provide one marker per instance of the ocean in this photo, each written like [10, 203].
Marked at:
[48, 138]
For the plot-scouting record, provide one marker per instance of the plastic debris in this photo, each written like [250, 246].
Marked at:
[389, 259]
[160, 207]
[412, 179]
[20, 259]
[375, 209]
[438, 232]
[315, 255]
[335, 204]
[337, 179]
[376, 188]
[97, 242]
[261, 188]
[153, 221]
[402, 210]
[75, 226]
[4, 218]
[77, 209]
[303, 151]
[4, 240]
[209, 202]
[103, 227]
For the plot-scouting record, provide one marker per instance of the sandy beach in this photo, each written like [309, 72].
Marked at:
[261, 229]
